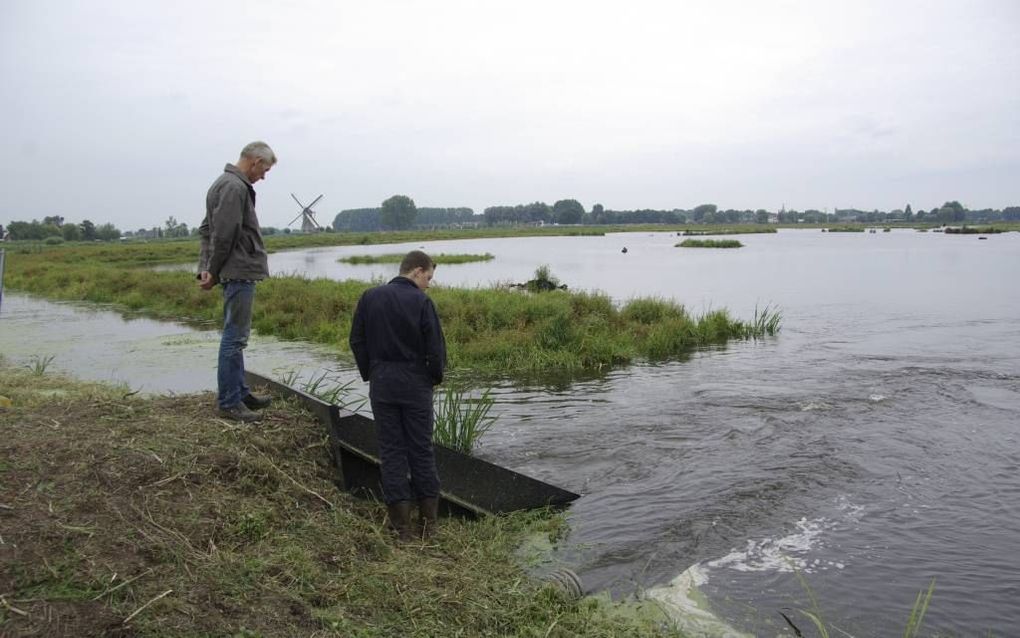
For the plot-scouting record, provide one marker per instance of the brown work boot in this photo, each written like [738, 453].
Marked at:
[240, 412]
[400, 520]
[428, 515]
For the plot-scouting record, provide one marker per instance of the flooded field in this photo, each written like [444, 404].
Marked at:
[872, 445]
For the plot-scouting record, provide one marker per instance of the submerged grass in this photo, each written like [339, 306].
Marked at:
[492, 330]
[814, 613]
[126, 516]
[396, 258]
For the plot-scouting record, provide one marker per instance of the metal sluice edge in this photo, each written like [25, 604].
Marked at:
[469, 486]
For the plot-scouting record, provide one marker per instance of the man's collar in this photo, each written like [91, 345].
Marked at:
[230, 168]
[400, 279]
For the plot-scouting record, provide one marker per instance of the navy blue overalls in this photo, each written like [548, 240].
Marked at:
[400, 349]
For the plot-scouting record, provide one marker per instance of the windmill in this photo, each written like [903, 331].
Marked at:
[307, 216]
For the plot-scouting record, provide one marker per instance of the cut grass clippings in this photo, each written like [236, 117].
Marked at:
[129, 516]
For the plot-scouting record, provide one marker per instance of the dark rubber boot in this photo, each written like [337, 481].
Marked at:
[257, 401]
[400, 520]
[428, 513]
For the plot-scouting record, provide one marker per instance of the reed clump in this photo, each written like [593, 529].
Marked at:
[460, 418]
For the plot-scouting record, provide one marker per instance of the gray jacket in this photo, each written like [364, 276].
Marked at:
[232, 245]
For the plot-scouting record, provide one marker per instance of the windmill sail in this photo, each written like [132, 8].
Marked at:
[307, 216]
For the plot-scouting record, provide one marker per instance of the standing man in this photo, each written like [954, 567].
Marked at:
[233, 255]
[400, 349]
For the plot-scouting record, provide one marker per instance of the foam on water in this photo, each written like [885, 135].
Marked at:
[780, 554]
[685, 605]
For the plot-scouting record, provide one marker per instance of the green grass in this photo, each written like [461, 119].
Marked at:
[396, 258]
[972, 230]
[460, 419]
[155, 510]
[709, 243]
[488, 330]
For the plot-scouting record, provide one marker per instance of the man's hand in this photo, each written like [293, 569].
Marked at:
[205, 280]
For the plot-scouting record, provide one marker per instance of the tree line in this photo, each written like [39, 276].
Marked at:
[400, 213]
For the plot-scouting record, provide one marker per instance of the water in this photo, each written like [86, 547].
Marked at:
[872, 446]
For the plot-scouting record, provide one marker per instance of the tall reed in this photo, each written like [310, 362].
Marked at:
[460, 420]
[328, 386]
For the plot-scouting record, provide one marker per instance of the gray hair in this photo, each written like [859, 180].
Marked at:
[259, 150]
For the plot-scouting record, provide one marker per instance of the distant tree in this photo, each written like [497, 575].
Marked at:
[704, 209]
[761, 216]
[908, 213]
[31, 231]
[56, 220]
[107, 232]
[71, 232]
[88, 230]
[597, 209]
[535, 212]
[398, 212]
[1011, 213]
[358, 219]
[568, 211]
[951, 212]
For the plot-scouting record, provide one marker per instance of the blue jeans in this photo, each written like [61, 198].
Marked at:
[238, 300]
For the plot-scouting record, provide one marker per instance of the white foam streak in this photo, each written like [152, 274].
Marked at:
[684, 604]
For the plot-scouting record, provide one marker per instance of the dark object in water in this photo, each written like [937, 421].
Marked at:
[982, 237]
[566, 582]
[624, 250]
[470, 486]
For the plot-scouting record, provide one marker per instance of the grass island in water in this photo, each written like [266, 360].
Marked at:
[709, 243]
[493, 330]
[396, 258]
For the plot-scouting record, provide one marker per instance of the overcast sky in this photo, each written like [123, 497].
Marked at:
[125, 112]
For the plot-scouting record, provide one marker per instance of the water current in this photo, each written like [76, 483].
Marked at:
[869, 448]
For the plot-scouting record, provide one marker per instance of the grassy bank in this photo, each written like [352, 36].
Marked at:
[131, 517]
[491, 330]
[709, 243]
[396, 258]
